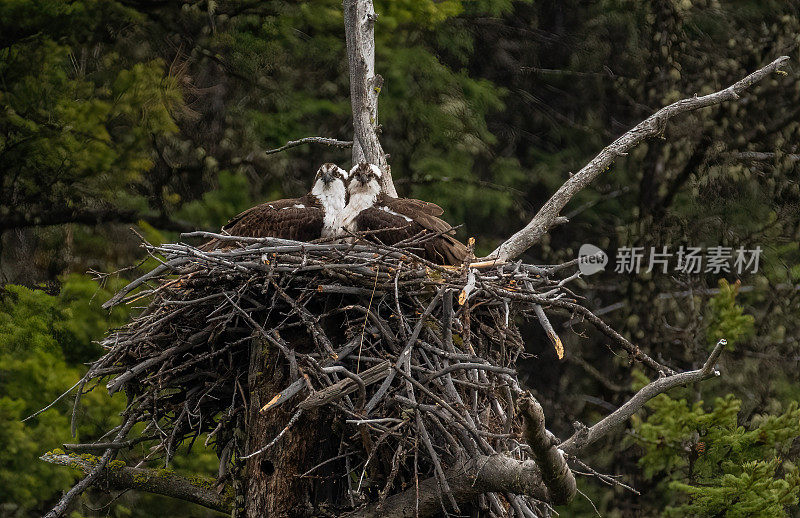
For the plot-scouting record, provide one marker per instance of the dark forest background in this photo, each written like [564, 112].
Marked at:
[121, 119]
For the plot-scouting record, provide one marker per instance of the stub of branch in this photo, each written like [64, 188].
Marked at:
[546, 217]
[162, 482]
[556, 475]
[347, 386]
[582, 439]
[548, 328]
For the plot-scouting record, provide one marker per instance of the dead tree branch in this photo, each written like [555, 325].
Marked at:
[583, 439]
[311, 140]
[654, 125]
[365, 86]
[480, 474]
[761, 156]
[151, 481]
[556, 475]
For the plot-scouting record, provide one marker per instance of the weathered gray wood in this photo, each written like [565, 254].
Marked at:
[365, 86]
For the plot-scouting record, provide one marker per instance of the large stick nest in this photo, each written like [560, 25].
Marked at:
[413, 364]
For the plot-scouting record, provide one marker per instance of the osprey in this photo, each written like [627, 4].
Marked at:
[301, 219]
[368, 209]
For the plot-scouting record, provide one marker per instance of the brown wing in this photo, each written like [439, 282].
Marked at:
[299, 219]
[394, 226]
[409, 205]
[251, 213]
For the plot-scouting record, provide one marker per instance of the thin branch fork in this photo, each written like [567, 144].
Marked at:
[584, 438]
[517, 244]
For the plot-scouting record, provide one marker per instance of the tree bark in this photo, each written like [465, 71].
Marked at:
[273, 484]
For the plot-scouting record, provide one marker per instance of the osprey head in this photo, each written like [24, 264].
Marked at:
[364, 173]
[329, 173]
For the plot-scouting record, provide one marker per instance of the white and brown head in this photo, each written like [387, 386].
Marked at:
[330, 174]
[364, 178]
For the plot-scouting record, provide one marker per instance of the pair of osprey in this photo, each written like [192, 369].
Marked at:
[341, 204]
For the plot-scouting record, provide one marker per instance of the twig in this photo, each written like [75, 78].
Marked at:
[311, 140]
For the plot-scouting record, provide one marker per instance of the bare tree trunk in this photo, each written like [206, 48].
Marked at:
[273, 482]
[365, 86]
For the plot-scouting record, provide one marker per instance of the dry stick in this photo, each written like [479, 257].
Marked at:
[548, 328]
[56, 400]
[402, 356]
[514, 246]
[766, 156]
[472, 366]
[366, 317]
[155, 272]
[102, 446]
[580, 440]
[633, 350]
[73, 424]
[361, 384]
[311, 140]
[608, 479]
[338, 390]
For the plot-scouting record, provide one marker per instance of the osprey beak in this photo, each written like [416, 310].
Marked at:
[327, 175]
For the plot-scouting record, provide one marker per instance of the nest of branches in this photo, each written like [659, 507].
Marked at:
[394, 370]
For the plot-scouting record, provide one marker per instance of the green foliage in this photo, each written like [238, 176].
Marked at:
[43, 341]
[216, 207]
[76, 125]
[704, 460]
[726, 318]
[712, 463]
